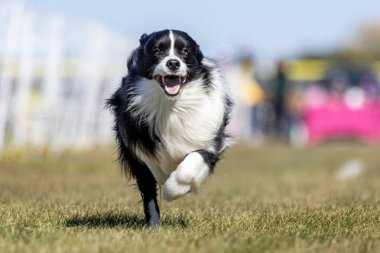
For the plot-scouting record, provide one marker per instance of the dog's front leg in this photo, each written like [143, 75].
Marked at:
[189, 175]
[147, 186]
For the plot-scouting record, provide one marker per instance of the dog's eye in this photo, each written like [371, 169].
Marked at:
[157, 52]
[185, 51]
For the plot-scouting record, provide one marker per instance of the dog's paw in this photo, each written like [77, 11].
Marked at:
[173, 189]
[188, 176]
[154, 219]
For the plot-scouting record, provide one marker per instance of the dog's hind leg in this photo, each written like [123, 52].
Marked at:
[190, 174]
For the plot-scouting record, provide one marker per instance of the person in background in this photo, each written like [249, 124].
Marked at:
[370, 85]
[252, 95]
[279, 100]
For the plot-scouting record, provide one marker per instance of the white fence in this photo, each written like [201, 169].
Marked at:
[55, 75]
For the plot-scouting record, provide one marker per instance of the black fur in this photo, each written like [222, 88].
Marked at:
[129, 130]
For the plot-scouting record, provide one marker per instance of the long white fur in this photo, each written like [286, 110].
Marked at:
[185, 124]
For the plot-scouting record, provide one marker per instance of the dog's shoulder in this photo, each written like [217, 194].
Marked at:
[130, 130]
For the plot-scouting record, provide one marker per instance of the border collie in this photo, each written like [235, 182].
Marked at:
[171, 113]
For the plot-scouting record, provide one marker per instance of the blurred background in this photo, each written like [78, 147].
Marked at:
[300, 72]
[305, 174]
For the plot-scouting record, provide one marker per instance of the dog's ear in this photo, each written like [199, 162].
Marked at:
[143, 38]
[199, 54]
[132, 60]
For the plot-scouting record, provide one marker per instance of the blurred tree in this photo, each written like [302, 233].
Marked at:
[366, 43]
[363, 47]
[357, 57]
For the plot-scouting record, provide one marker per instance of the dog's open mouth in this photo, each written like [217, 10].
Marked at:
[170, 84]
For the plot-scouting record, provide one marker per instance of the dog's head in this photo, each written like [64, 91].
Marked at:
[170, 57]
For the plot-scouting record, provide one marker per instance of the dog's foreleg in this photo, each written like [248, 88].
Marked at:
[147, 186]
[152, 211]
[190, 174]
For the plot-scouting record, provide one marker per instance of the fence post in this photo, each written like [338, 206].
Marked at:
[22, 95]
[12, 36]
[52, 94]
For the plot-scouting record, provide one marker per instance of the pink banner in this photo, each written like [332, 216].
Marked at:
[334, 119]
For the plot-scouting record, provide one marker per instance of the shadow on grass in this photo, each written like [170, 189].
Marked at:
[117, 220]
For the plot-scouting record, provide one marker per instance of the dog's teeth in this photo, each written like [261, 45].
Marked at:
[163, 79]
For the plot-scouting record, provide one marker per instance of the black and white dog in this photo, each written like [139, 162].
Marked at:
[171, 113]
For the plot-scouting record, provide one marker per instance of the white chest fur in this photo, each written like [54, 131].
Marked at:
[184, 124]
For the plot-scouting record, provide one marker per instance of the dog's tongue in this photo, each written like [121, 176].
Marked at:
[172, 84]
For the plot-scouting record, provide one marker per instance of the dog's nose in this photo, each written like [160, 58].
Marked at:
[173, 64]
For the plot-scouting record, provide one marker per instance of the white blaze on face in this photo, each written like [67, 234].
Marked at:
[172, 41]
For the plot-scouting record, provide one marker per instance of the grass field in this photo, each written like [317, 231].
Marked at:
[270, 199]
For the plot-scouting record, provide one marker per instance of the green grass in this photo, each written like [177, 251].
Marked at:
[271, 199]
